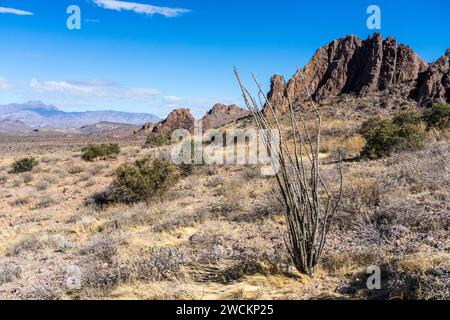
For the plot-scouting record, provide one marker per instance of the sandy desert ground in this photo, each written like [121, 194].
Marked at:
[219, 232]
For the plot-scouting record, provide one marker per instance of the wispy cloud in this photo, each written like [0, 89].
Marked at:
[93, 89]
[4, 85]
[16, 11]
[140, 8]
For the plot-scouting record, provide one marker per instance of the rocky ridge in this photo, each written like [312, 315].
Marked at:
[362, 67]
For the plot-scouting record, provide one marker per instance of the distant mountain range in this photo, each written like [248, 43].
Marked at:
[16, 126]
[36, 114]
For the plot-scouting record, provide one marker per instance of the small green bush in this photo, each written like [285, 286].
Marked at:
[142, 181]
[384, 136]
[157, 139]
[24, 165]
[407, 118]
[438, 116]
[100, 150]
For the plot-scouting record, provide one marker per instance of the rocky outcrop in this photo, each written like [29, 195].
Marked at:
[148, 127]
[177, 119]
[221, 115]
[352, 66]
[434, 84]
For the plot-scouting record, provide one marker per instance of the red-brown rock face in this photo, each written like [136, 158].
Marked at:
[434, 84]
[221, 114]
[349, 65]
[177, 119]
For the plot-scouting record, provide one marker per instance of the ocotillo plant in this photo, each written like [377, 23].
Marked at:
[308, 202]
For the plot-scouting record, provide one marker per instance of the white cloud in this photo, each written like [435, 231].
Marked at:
[140, 8]
[16, 11]
[4, 84]
[93, 89]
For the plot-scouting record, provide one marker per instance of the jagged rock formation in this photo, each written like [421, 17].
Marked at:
[148, 127]
[434, 84]
[178, 119]
[352, 66]
[221, 115]
[181, 118]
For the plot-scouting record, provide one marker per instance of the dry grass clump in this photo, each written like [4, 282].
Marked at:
[98, 168]
[83, 178]
[27, 177]
[21, 201]
[45, 201]
[43, 290]
[75, 168]
[17, 182]
[3, 179]
[9, 272]
[181, 220]
[269, 206]
[154, 264]
[237, 249]
[42, 185]
[417, 277]
[232, 194]
[31, 243]
[103, 269]
[104, 250]
[214, 182]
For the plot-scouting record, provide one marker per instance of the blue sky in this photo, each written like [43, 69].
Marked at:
[135, 61]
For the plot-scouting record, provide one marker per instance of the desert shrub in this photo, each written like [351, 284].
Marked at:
[214, 182]
[407, 117]
[181, 220]
[90, 183]
[384, 137]
[157, 139]
[232, 195]
[9, 272]
[42, 185]
[75, 168]
[45, 202]
[21, 201]
[27, 177]
[24, 165]
[100, 151]
[17, 182]
[97, 169]
[29, 243]
[263, 264]
[186, 169]
[148, 265]
[431, 284]
[438, 116]
[154, 264]
[64, 245]
[142, 181]
[104, 250]
[83, 178]
[42, 291]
